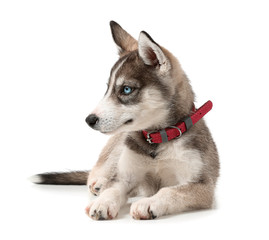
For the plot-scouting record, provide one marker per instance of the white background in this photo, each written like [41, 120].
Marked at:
[55, 58]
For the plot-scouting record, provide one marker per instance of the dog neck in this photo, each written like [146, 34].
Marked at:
[176, 131]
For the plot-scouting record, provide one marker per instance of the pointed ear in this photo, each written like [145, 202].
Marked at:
[124, 40]
[151, 53]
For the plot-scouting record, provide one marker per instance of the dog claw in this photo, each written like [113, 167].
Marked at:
[94, 213]
[152, 215]
[100, 216]
[95, 190]
[97, 215]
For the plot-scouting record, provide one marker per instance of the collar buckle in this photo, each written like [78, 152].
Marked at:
[149, 139]
[163, 135]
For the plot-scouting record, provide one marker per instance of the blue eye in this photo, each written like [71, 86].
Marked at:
[127, 90]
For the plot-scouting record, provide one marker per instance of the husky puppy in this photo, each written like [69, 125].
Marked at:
[147, 90]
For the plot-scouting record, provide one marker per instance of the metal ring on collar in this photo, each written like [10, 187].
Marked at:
[180, 133]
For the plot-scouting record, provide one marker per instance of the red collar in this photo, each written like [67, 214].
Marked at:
[176, 131]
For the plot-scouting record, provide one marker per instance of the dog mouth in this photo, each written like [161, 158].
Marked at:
[113, 131]
[128, 121]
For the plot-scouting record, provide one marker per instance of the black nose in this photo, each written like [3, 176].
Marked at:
[92, 120]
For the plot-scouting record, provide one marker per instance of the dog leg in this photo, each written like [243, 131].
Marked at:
[171, 200]
[103, 173]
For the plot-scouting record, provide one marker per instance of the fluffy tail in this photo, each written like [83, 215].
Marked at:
[61, 178]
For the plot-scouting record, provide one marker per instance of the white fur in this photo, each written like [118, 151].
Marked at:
[175, 166]
[131, 167]
[99, 177]
[176, 160]
[35, 179]
[120, 80]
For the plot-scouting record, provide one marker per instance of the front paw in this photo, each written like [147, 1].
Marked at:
[97, 185]
[145, 209]
[102, 210]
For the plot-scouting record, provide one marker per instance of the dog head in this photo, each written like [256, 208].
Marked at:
[147, 88]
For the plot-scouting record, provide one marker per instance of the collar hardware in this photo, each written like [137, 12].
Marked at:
[148, 138]
[174, 132]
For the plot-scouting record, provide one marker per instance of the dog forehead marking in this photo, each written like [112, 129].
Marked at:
[113, 78]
